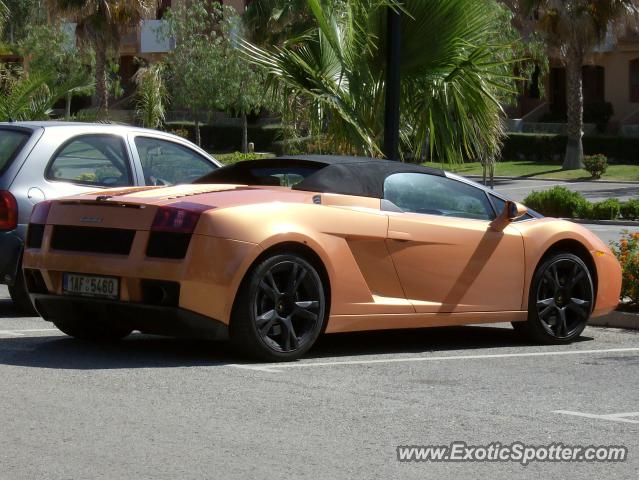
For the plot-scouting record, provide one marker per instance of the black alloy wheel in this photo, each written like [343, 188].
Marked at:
[280, 310]
[561, 300]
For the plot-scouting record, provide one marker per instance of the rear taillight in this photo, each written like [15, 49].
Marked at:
[40, 213]
[8, 211]
[181, 217]
[172, 229]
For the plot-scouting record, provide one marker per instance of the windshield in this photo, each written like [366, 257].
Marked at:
[11, 141]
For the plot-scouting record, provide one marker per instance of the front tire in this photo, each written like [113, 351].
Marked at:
[88, 329]
[280, 310]
[560, 302]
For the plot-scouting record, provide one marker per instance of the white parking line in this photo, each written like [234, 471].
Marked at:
[279, 367]
[505, 189]
[23, 333]
[612, 417]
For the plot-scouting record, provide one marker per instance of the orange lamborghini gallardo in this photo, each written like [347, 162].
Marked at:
[273, 253]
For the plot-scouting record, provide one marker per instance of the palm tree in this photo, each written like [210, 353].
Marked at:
[101, 23]
[151, 96]
[32, 97]
[571, 30]
[274, 21]
[4, 15]
[455, 70]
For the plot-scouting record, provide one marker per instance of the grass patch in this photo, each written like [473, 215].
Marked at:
[552, 171]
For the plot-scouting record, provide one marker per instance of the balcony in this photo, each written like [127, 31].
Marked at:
[152, 39]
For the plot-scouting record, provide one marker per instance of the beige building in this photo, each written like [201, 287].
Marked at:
[143, 41]
[610, 75]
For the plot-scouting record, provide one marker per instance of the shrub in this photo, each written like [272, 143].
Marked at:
[180, 132]
[544, 147]
[229, 137]
[596, 165]
[557, 202]
[230, 158]
[599, 113]
[535, 147]
[630, 209]
[627, 252]
[606, 210]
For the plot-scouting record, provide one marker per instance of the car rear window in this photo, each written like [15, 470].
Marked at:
[11, 141]
[275, 172]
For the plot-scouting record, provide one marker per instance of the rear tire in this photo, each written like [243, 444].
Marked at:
[280, 309]
[86, 329]
[20, 296]
[560, 301]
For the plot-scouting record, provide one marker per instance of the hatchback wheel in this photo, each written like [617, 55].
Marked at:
[561, 300]
[280, 309]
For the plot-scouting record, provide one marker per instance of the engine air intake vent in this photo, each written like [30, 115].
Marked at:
[168, 245]
[34, 235]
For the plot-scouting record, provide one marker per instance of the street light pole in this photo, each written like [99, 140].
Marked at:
[393, 52]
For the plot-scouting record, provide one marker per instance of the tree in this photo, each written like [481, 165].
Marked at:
[28, 97]
[49, 52]
[571, 30]
[456, 68]
[275, 21]
[207, 70]
[100, 24]
[4, 14]
[151, 96]
[18, 15]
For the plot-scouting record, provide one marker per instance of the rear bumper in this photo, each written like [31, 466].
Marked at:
[11, 246]
[152, 319]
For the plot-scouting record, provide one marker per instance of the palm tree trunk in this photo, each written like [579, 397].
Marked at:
[575, 103]
[198, 137]
[102, 95]
[67, 109]
[244, 133]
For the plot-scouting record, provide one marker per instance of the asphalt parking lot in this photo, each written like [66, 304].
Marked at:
[518, 189]
[152, 407]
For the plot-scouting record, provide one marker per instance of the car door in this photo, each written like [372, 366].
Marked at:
[447, 257]
[163, 161]
[67, 163]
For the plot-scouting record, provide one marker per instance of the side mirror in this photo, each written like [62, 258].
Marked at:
[512, 211]
[516, 210]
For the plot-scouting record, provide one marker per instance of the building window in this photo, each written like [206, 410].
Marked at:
[634, 80]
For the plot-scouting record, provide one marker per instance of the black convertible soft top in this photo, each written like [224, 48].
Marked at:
[360, 176]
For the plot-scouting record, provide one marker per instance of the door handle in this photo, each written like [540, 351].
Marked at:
[399, 236]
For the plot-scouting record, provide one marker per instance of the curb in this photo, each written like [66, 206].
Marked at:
[620, 223]
[616, 319]
[629, 182]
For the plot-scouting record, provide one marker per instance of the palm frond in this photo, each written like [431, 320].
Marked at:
[455, 75]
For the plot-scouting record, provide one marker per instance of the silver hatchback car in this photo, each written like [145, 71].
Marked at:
[45, 160]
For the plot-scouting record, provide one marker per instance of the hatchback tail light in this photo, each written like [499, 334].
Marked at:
[8, 211]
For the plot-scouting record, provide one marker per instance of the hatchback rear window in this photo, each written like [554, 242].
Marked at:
[11, 141]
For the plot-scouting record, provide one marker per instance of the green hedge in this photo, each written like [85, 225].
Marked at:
[229, 137]
[561, 202]
[544, 147]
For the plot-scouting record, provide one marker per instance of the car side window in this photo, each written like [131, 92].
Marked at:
[435, 195]
[95, 160]
[167, 163]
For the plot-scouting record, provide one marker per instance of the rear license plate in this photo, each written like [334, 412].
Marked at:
[90, 286]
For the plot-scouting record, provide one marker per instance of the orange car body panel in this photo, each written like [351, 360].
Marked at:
[386, 270]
